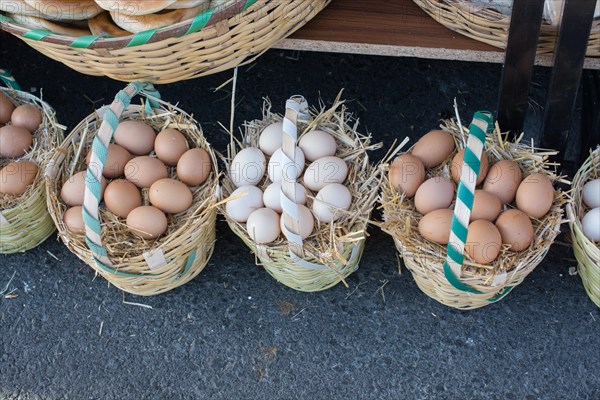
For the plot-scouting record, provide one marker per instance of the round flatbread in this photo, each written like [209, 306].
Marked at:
[134, 7]
[189, 4]
[103, 25]
[141, 23]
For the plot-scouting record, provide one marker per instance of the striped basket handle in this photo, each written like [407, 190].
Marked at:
[91, 202]
[482, 125]
[296, 111]
[8, 80]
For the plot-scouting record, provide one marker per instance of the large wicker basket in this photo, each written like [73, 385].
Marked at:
[490, 26]
[24, 220]
[478, 285]
[586, 251]
[220, 38]
[333, 251]
[130, 263]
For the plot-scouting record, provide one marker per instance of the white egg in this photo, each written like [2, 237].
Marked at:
[591, 224]
[329, 200]
[306, 222]
[272, 196]
[249, 199]
[293, 170]
[263, 226]
[325, 171]
[271, 138]
[317, 144]
[591, 193]
[248, 167]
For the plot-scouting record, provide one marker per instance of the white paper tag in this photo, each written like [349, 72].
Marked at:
[155, 259]
[3, 221]
[500, 279]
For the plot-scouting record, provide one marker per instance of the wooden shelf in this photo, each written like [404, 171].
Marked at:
[393, 28]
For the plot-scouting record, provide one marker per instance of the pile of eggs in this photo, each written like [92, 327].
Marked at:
[17, 125]
[503, 205]
[261, 211]
[141, 167]
[590, 222]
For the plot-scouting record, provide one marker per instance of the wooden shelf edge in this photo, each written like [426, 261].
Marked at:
[413, 51]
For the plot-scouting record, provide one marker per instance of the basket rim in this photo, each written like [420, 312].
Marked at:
[207, 18]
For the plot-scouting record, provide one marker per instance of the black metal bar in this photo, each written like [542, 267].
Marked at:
[523, 35]
[568, 64]
[590, 114]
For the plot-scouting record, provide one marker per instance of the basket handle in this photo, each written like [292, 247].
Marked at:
[482, 125]
[91, 202]
[8, 80]
[296, 110]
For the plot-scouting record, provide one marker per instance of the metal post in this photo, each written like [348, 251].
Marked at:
[524, 32]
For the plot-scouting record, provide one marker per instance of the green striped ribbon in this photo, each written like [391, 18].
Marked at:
[483, 124]
[9, 80]
[141, 38]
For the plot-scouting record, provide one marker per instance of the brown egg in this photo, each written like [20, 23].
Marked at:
[14, 141]
[136, 137]
[503, 180]
[27, 116]
[170, 196]
[516, 229]
[73, 190]
[483, 242]
[407, 173]
[435, 226]
[122, 196]
[485, 206]
[6, 109]
[434, 148]
[147, 222]
[194, 167]
[535, 195]
[433, 194]
[170, 144]
[144, 171]
[73, 219]
[116, 160]
[457, 163]
[15, 177]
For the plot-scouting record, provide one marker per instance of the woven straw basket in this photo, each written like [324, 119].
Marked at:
[586, 251]
[491, 27]
[466, 284]
[332, 252]
[216, 40]
[24, 219]
[127, 261]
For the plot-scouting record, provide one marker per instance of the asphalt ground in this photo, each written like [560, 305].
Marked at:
[234, 332]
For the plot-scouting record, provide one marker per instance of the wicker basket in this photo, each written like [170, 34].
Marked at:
[586, 251]
[333, 250]
[24, 220]
[491, 27]
[127, 261]
[478, 285]
[216, 40]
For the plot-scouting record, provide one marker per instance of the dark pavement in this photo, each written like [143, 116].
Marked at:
[234, 332]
